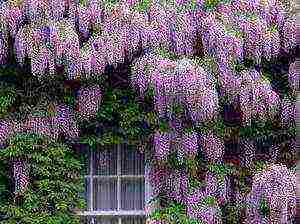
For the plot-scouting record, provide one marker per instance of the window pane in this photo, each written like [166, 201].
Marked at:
[105, 161]
[105, 194]
[87, 193]
[103, 220]
[132, 162]
[134, 220]
[133, 194]
[86, 220]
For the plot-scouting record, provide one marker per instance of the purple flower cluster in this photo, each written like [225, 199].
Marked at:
[88, 101]
[213, 146]
[278, 184]
[21, 176]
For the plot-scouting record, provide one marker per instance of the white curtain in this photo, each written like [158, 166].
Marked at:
[132, 162]
[133, 194]
[105, 194]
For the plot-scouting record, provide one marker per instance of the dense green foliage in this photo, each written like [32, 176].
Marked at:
[56, 186]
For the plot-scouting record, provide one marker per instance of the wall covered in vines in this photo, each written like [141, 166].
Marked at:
[206, 89]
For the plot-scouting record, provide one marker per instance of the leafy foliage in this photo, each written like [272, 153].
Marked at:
[175, 213]
[56, 186]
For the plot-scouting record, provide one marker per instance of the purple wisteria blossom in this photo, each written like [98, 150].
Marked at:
[196, 209]
[21, 176]
[288, 112]
[213, 146]
[189, 144]
[278, 184]
[162, 145]
[6, 130]
[294, 75]
[257, 98]
[177, 185]
[271, 46]
[88, 101]
[63, 122]
[289, 33]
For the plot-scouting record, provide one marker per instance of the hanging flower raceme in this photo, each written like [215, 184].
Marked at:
[63, 122]
[198, 207]
[141, 69]
[21, 176]
[294, 75]
[271, 46]
[83, 20]
[158, 175]
[278, 185]
[162, 145]
[289, 33]
[213, 146]
[13, 16]
[272, 11]
[257, 98]
[266, 101]
[217, 186]
[253, 29]
[3, 48]
[212, 34]
[189, 144]
[177, 185]
[159, 27]
[164, 82]
[39, 125]
[38, 11]
[183, 34]
[21, 44]
[96, 11]
[89, 100]
[191, 79]
[57, 9]
[96, 56]
[6, 130]
[114, 48]
[288, 112]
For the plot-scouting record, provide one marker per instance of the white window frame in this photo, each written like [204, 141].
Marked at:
[119, 213]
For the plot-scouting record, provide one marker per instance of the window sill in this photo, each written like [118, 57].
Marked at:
[112, 213]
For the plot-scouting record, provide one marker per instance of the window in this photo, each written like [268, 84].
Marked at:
[115, 186]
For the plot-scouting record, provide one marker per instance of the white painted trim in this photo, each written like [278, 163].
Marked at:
[116, 176]
[91, 181]
[119, 212]
[119, 180]
[112, 213]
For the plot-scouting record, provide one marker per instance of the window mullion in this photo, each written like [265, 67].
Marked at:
[91, 182]
[119, 179]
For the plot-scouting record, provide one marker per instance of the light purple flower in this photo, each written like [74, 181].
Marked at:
[158, 176]
[63, 122]
[189, 143]
[21, 176]
[294, 75]
[288, 111]
[162, 145]
[21, 45]
[213, 146]
[272, 11]
[278, 184]
[254, 30]
[88, 101]
[289, 33]
[39, 125]
[271, 46]
[177, 185]
[6, 130]
[84, 20]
